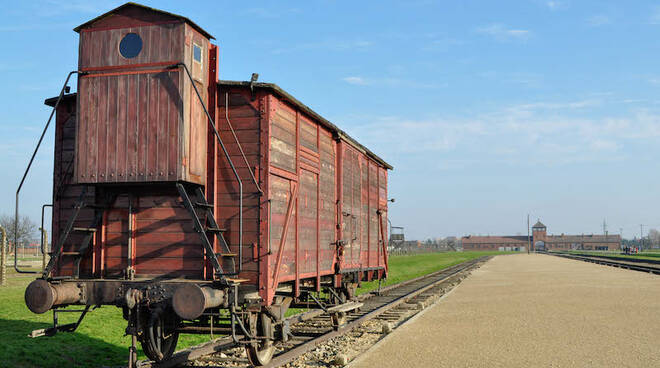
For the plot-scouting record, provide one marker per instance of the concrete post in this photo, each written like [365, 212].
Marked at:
[3, 256]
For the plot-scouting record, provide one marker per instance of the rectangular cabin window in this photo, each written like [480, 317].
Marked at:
[197, 65]
[197, 53]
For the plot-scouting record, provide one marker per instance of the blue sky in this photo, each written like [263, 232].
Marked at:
[487, 110]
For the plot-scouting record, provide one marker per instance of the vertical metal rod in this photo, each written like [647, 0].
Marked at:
[44, 237]
[129, 259]
[36, 149]
[3, 256]
[240, 148]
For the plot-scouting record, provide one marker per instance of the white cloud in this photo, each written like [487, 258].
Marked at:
[598, 20]
[555, 105]
[556, 5]
[547, 133]
[655, 15]
[270, 13]
[390, 82]
[441, 43]
[503, 33]
[359, 81]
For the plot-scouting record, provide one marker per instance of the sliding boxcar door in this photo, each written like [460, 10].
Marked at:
[308, 223]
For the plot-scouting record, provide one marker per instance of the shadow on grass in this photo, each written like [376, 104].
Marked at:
[62, 350]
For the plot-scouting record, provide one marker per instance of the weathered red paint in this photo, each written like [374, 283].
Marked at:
[323, 209]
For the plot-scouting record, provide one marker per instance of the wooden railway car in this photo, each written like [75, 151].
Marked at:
[200, 205]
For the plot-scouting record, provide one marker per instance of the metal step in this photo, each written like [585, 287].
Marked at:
[202, 205]
[226, 255]
[71, 253]
[216, 229]
[85, 229]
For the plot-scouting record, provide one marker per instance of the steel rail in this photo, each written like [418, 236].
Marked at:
[426, 282]
[607, 262]
[308, 345]
[192, 353]
[613, 257]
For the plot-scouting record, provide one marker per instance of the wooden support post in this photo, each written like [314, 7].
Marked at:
[3, 256]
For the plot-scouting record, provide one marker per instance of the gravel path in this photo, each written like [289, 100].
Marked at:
[533, 311]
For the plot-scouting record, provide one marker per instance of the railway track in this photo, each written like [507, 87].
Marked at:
[391, 305]
[631, 264]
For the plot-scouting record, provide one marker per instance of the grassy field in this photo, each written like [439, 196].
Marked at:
[99, 341]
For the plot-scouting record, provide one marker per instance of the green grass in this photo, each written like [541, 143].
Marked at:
[406, 267]
[100, 340]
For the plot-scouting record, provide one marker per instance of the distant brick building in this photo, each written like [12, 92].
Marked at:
[540, 240]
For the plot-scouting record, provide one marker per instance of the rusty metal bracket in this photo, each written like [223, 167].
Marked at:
[69, 327]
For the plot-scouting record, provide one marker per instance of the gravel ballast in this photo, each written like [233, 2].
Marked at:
[533, 311]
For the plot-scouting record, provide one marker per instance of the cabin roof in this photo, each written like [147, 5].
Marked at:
[274, 88]
[143, 7]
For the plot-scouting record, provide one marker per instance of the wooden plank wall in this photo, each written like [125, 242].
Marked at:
[362, 197]
[130, 128]
[246, 121]
[162, 43]
[283, 156]
[328, 205]
[64, 194]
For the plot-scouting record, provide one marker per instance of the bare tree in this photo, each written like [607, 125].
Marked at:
[26, 229]
[654, 238]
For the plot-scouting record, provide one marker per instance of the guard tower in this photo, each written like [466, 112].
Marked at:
[139, 118]
[539, 234]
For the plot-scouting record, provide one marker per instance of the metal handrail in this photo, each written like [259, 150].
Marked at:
[240, 148]
[36, 149]
[231, 164]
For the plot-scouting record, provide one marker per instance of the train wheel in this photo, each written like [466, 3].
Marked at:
[159, 336]
[260, 352]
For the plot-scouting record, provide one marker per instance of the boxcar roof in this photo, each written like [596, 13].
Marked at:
[323, 121]
[145, 8]
[274, 88]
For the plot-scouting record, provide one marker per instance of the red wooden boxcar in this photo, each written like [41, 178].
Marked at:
[176, 195]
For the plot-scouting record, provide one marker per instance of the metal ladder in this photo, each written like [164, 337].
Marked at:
[209, 226]
[88, 232]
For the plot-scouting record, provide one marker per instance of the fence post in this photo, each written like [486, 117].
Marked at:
[3, 256]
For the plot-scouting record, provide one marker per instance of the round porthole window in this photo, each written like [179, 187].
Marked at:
[130, 46]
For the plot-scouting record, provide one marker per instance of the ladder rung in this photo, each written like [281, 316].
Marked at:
[85, 229]
[70, 253]
[96, 206]
[226, 255]
[215, 229]
[202, 204]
